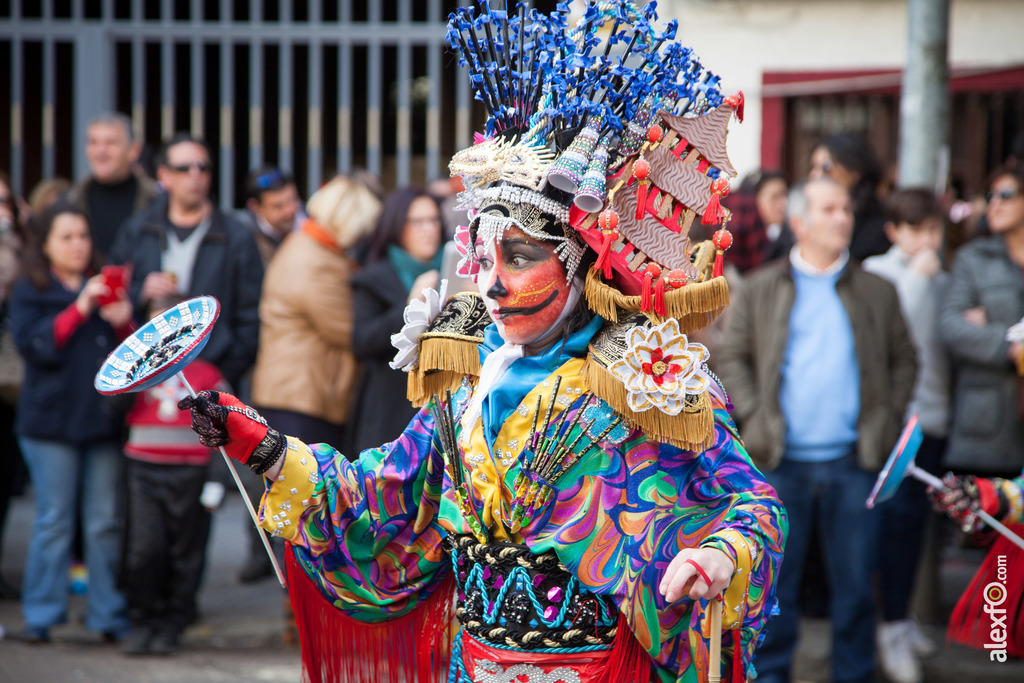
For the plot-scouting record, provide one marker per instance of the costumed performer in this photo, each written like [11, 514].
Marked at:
[976, 620]
[573, 485]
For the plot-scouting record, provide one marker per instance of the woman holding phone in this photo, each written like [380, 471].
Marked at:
[70, 441]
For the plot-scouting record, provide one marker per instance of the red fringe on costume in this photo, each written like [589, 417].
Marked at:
[628, 662]
[969, 624]
[414, 648]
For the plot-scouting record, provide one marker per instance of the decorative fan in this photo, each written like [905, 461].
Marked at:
[160, 349]
[901, 464]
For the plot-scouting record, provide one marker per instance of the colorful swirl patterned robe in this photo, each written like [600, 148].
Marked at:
[368, 533]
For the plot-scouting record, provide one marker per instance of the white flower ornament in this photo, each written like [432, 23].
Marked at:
[1016, 333]
[418, 316]
[661, 368]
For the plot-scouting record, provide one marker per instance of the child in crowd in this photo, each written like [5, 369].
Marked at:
[913, 266]
[170, 497]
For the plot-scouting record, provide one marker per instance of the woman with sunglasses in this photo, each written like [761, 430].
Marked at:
[66, 320]
[985, 298]
[848, 159]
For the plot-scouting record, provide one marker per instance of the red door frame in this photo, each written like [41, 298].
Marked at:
[777, 86]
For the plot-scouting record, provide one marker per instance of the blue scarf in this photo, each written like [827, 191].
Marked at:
[525, 373]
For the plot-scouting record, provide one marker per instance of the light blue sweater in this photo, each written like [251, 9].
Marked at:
[820, 392]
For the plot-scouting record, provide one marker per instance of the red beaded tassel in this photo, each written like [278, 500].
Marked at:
[641, 170]
[722, 239]
[736, 102]
[608, 221]
[659, 296]
[714, 213]
[645, 294]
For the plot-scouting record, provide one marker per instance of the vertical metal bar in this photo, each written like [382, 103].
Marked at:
[197, 67]
[49, 76]
[344, 92]
[226, 164]
[462, 105]
[168, 72]
[256, 89]
[285, 90]
[314, 127]
[314, 123]
[17, 97]
[403, 117]
[138, 76]
[373, 99]
[434, 97]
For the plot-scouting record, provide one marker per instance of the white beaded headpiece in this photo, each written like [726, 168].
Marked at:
[539, 216]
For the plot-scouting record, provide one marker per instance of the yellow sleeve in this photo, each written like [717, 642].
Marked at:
[295, 489]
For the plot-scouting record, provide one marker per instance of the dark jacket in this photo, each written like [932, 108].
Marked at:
[104, 236]
[987, 435]
[751, 354]
[227, 267]
[380, 408]
[58, 401]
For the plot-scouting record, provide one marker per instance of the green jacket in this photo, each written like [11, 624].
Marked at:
[750, 359]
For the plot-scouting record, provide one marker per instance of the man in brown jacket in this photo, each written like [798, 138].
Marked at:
[819, 367]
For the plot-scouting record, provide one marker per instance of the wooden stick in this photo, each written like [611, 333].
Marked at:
[715, 652]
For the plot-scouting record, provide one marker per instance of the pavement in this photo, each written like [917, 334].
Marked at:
[238, 638]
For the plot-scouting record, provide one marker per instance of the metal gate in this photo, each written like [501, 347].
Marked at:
[313, 86]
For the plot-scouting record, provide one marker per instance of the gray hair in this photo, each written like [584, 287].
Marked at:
[114, 118]
[797, 203]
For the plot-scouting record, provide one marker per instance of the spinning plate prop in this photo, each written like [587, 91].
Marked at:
[901, 464]
[160, 349]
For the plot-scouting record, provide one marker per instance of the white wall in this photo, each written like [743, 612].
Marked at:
[741, 39]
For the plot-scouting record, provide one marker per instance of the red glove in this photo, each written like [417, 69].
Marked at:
[222, 420]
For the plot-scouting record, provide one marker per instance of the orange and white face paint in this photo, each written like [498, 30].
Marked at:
[523, 283]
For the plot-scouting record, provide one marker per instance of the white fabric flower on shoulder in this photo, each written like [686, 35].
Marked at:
[661, 368]
[1016, 333]
[418, 316]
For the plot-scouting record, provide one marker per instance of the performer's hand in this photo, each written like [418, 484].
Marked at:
[220, 419]
[963, 497]
[682, 577]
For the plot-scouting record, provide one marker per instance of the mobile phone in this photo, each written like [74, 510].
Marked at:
[116, 279]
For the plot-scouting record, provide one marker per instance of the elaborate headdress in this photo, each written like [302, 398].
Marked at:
[608, 136]
[616, 133]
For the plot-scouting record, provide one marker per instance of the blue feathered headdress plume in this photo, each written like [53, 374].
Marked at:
[538, 77]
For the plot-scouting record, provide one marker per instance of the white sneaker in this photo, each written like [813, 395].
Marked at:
[922, 644]
[896, 653]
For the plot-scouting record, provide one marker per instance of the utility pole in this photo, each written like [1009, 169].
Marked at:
[924, 104]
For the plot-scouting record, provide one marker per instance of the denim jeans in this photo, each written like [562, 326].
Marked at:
[830, 495]
[60, 472]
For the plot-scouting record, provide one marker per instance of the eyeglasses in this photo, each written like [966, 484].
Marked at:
[269, 179]
[435, 220]
[1003, 195]
[201, 166]
[825, 166]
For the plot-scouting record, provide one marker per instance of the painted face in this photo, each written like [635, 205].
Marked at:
[522, 281]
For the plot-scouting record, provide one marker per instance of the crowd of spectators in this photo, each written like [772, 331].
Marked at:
[844, 324]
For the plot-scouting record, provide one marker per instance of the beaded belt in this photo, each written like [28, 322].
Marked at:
[510, 597]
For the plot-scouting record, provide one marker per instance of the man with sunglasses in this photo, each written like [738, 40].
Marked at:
[272, 208]
[185, 246]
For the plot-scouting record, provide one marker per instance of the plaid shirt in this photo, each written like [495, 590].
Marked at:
[750, 241]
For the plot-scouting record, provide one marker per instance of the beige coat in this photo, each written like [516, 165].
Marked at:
[305, 362]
